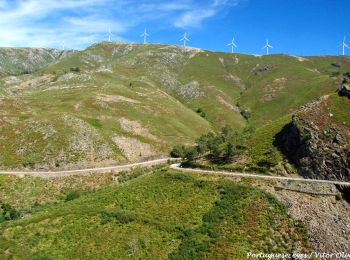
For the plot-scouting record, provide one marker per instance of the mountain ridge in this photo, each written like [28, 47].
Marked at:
[118, 102]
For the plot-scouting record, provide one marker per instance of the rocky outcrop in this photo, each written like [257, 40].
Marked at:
[15, 61]
[317, 143]
[344, 89]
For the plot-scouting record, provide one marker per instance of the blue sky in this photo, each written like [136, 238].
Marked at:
[298, 27]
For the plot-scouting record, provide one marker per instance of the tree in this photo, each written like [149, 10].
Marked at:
[178, 151]
[190, 154]
[230, 151]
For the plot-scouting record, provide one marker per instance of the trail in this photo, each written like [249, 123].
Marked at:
[65, 173]
[257, 176]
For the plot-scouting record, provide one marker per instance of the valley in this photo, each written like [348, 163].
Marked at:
[88, 140]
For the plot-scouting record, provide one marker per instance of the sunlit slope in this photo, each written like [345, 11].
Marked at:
[89, 116]
[164, 215]
[16, 61]
[269, 86]
[116, 102]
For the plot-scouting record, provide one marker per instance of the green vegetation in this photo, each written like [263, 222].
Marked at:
[226, 224]
[7, 212]
[163, 214]
[264, 153]
[12, 60]
[217, 148]
[85, 108]
[340, 108]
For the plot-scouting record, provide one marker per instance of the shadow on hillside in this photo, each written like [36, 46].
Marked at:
[289, 143]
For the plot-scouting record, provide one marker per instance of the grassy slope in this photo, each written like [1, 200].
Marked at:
[16, 61]
[154, 216]
[164, 85]
[44, 109]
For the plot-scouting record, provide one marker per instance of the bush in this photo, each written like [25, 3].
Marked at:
[7, 212]
[121, 217]
[246, 114]
[72, 195]
[201, 112]
[190, 153]
[178, 151]
[75, 69]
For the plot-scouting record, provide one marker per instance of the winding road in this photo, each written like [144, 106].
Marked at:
[176, 166]
[65, 173]
[256, 176]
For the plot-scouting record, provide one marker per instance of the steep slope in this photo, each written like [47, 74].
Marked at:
[117, 102]
[158, 216]
[318, 139]
[79, 113]
[16, 61]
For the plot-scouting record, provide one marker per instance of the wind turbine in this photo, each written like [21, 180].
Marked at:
[145, 35]
[63, 45]
[267, 46]
[110, 34]
[184, 39]
[344, 45]
[232, 44]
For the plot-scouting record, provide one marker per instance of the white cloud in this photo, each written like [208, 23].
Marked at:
[46, 23]
[195, 17]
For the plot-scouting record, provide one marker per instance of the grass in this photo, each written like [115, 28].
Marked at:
[264, 153]
[235, 226]
[11, 61]
[340, 108]
[152, 81]
[155, 216]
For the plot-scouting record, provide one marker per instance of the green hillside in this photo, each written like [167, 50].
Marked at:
[162, 215]
[116, 102]
[17, 61]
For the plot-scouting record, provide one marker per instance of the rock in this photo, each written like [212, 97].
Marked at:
[317, 153]
[260, 69]
[338, 139]
[344, 89]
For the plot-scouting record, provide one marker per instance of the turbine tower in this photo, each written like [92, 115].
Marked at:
[145, 35]
[267, 46]
[344, 45]
[110, 34]
[184, 39]
[232, 44]
[63, 45]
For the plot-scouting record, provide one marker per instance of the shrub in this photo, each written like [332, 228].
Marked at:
[190, 153]
[178, 151]
[121, 217]
[7, 212]
[201, 112]
[75, 69]
[72, 195]
[246, 114]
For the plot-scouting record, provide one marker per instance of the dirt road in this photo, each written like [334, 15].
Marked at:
[58, 174]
